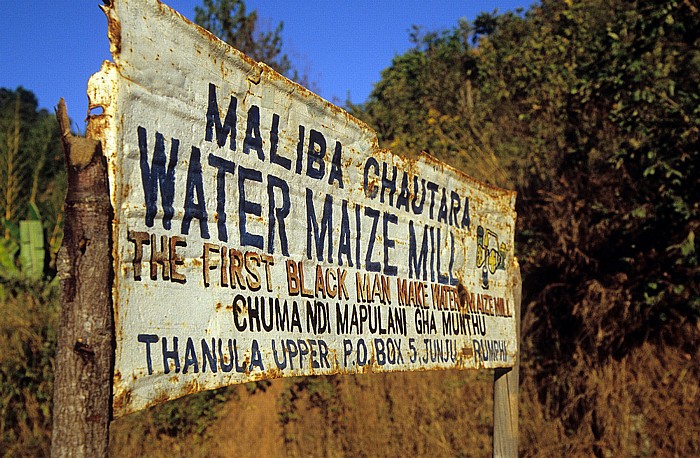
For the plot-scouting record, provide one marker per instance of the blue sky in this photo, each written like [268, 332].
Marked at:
[52, 47]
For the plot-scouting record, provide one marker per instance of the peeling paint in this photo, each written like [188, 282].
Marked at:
[277, 247]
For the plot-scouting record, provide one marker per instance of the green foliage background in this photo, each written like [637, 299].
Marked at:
[590, 110]
[32, 186]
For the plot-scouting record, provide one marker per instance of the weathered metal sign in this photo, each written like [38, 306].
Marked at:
[260, 231]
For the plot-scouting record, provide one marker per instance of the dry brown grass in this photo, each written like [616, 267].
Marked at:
[437, 414]
[28, 316]
[643, 405]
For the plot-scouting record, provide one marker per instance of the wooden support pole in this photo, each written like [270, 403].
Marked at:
[85, 352]
[505, 390]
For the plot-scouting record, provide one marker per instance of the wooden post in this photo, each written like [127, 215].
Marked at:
[85, 353]
[505, 390]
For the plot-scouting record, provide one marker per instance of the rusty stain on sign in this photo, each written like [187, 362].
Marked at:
[260, 232]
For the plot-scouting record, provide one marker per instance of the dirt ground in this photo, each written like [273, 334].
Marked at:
[644, 404]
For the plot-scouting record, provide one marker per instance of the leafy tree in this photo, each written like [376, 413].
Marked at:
[593, 110]
[426, 101]
[228, 20]
[600, 101]
[32, 187]
[32, 178]
[652, 76]
[486, 24]
[606, 101]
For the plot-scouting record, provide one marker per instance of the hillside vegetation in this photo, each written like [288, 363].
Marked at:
[591, 111]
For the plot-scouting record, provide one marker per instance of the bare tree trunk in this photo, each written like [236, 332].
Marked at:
[85, 353]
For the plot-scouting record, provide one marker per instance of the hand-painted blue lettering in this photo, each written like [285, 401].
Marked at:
[315, 159]
[389, 243]
[388, 183]
[442, 279]
[432, 187]
[275, 158]
[170, 354]
[379, 352]
[209, 355]
[312, 226]
[402, 200]
[432, 254]
[303, 351]
[454, 209]
[156, 176]
[442, 213]
[279, 362]
[253, 139]
[344, 244]
[388, 351]
[323, 354]
[362, 352]
[293, 351]
[225, 367]
[369, 184]
[358, 235]
[417, 263]
[228, 128]
[337, 166]
[415, 206]
[247, 207]
[190, 357]
[277, 214]
[466, 219]
[194, 185]
[148, 339]
[240, 368]
[223, 167]
[314, 354]
[300, 149]
[347, 351]
[372, 266]
[256, 357]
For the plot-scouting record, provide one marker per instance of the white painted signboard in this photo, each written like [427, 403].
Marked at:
[260, 231]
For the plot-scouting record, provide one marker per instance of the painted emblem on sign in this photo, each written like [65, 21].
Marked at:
[490, 255]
